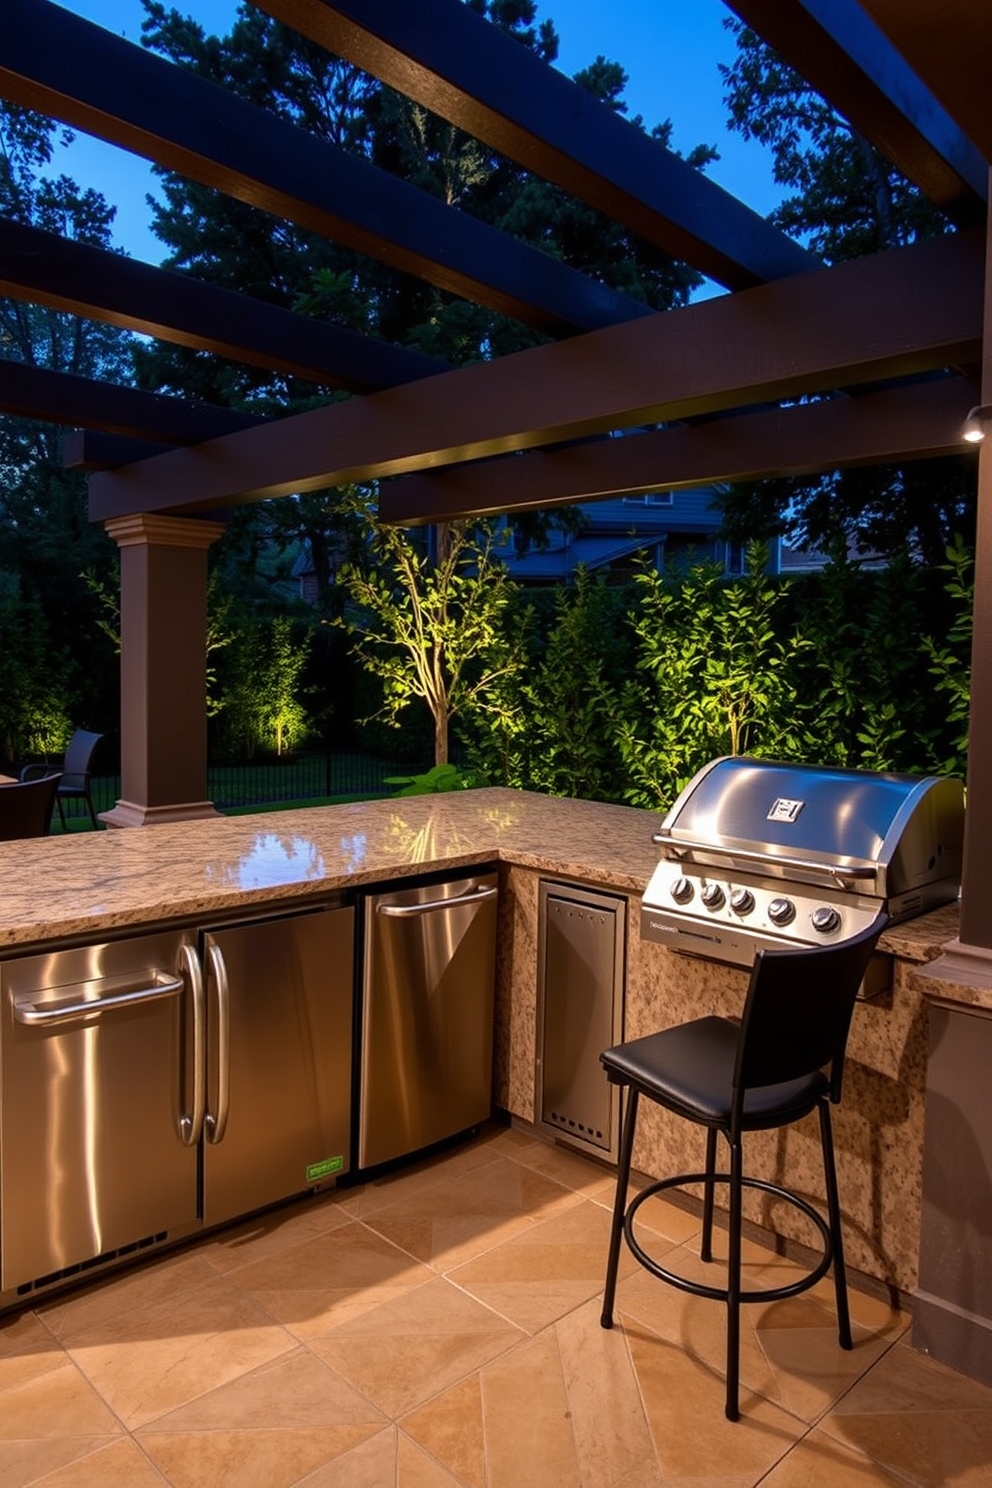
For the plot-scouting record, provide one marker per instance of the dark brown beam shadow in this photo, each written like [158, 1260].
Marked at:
[910, 311]
[949, 46]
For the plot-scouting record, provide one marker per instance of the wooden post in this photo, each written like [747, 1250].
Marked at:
[163, 669]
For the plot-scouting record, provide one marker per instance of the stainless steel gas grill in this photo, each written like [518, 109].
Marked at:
[757, 854]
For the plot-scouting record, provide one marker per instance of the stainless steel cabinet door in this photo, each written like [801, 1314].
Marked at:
[95, 1085]
[581, 942]
[279, 1021]
[427, 1007]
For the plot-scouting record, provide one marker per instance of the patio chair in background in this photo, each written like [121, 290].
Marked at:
[76, 769]
[26, 808]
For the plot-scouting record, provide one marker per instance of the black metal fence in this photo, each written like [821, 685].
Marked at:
[303, 777]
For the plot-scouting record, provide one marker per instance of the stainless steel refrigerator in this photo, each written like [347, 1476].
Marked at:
[157, 1083]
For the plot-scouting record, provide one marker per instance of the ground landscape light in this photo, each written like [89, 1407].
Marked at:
[976, 424]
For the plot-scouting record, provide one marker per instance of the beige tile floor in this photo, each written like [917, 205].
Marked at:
[440, 1329]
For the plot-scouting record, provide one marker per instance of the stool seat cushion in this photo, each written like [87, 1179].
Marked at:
[690, 1070]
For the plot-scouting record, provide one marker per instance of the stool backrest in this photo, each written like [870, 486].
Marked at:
[798, 1011]
[78, 759]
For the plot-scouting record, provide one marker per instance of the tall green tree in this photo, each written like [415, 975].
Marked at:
[845, 200]
[46, 539]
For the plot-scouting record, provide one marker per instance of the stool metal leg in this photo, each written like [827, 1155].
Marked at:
[833, 1211]
[627, 1123]
[734, 1278]
[706, 1247]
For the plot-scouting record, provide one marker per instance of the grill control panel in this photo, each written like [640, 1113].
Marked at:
[703, 912]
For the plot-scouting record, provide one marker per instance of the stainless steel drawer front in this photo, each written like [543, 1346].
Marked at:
[95, 1089]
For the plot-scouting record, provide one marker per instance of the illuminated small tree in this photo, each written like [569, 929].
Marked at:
[429, 623]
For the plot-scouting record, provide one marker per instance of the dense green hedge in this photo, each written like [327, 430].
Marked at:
[627, 692]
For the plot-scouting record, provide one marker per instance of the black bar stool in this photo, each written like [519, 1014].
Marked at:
[785, 1060]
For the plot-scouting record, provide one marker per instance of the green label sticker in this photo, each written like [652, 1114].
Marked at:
[324, 1169]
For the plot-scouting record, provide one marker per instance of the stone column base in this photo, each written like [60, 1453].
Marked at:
[959, 965]
[128, 814]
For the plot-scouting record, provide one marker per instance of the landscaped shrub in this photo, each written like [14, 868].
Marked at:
[554, 731]
[625, 692]
[715, 674]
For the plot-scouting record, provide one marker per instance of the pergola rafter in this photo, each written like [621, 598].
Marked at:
[914, 310]
[449, 59]
[46, 269]
[66, 67]
[841, 52]
[917, 421]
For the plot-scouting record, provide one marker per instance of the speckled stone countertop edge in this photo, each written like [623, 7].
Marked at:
[85, 885]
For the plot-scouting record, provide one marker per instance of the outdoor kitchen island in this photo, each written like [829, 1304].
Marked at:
[86, 887]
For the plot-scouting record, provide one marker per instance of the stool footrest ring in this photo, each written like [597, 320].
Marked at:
[720, 1294]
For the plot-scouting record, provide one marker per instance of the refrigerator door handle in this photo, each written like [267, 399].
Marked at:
[191, 1125]
[215, 1122]
[406, 911]
[73, 1004]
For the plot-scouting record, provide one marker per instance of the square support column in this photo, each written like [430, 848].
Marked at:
[952, 1308]
[163, 669]
[968, 960]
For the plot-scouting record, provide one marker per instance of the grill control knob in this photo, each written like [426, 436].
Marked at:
[825, 919]
[781, 911]
[742, 901]
[712, 895]
[682, 890]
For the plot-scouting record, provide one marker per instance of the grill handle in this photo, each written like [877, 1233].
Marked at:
[679, 847]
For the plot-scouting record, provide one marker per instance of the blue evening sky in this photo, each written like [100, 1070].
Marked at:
[670, 50]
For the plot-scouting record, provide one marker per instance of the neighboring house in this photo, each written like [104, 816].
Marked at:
[672, 526]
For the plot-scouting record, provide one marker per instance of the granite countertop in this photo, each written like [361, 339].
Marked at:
[89, 884]
[53, 888]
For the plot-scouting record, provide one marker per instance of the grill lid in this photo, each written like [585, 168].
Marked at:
[811, 818]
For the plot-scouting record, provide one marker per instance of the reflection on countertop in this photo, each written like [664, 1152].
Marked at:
[55, 887]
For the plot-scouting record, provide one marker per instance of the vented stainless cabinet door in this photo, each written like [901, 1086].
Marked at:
[427, 1008]
[581, 944]
[279, 1019]
[97, 1103]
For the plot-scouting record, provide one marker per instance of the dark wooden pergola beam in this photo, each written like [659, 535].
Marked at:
[913, 310]
[67, 275]
[837, 48]
[71, 401]
[463, 68]
[949, 47]
[908, 423]
[68, 68]
[89, 450]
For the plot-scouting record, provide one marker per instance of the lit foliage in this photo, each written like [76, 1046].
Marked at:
[261, 708]
[714, 676]
[429, 624]
[951, 659]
